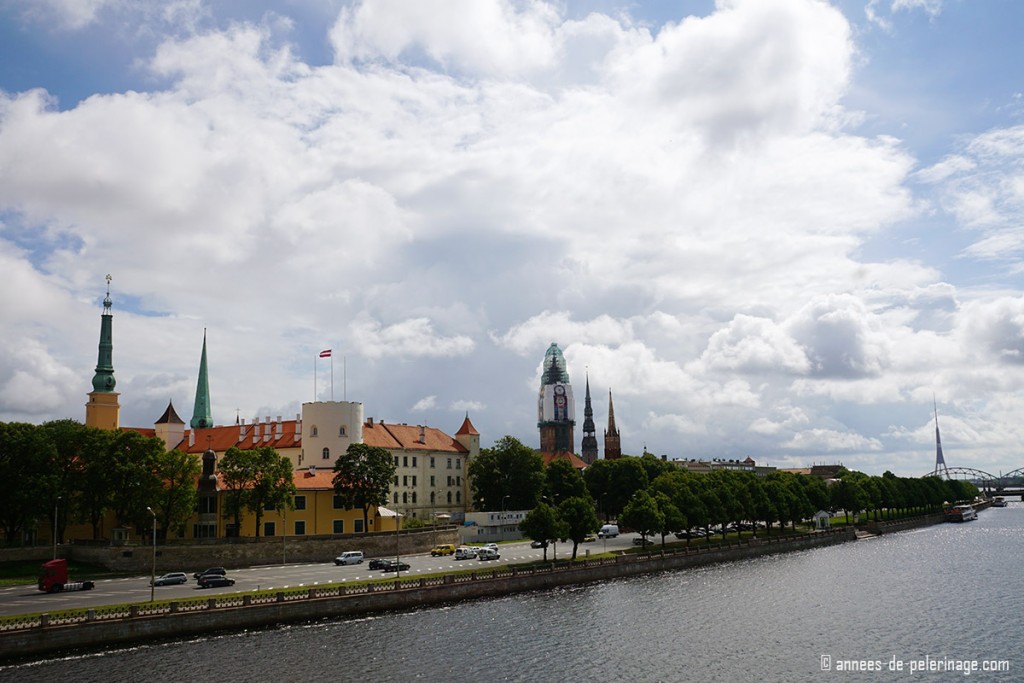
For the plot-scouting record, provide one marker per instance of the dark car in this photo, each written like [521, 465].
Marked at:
[377, 563]
[393, 566]
[642, 541]
[539, 544]
[170, 579]
[211, 570]
[215, 581]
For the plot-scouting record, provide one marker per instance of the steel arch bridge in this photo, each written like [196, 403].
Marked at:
[980, 478]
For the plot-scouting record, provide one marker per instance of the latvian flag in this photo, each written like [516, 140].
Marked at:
[325, 354]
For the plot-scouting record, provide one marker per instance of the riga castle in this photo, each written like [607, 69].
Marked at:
[430, 474]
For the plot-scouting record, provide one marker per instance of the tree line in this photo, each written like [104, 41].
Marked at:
[656, 498]
[64, 473]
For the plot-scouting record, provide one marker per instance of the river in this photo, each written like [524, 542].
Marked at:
[945, 598]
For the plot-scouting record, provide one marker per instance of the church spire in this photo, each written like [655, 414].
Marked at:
[612, 444]
[201, 417]
[588, 449]
[102, 410]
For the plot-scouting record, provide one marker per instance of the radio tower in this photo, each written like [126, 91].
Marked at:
[940, 462]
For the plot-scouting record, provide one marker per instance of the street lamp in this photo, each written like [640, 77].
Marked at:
[152, 578]
[501, 525]
[55, 527]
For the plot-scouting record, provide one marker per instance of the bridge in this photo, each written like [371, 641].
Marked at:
[1010, 484]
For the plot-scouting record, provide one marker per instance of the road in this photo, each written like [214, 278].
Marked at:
[28, 600]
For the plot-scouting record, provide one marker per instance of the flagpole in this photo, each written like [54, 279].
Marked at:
[314, 379]
[344, 377]
[332, 377]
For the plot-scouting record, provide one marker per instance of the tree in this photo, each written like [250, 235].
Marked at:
[133, 475]
[562, 481]
[272, 485]
[362, 478]
[25, 454]
[543, 524]
[508, 475]
[674, 519]
[237, 472]
[613, 483]
[580, 519]
[96, 491]
[642, 514]
[178, 470]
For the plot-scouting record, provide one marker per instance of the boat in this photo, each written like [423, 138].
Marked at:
[998, 502]
[961, 513]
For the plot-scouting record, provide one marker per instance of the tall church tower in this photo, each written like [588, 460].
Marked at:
[556, 409]
[612, 445]
[201, 417]
[588, 449]
[103, 411]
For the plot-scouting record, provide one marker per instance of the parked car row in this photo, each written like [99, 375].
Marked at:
[208, 578]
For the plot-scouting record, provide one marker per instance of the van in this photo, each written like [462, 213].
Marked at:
[443, 549]
[349, 557]
[465, 553]
[608, 531]
[487, 554]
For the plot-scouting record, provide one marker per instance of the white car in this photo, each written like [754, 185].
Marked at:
[465, 553]
[349, 557]
[491, 546]
[488, 554]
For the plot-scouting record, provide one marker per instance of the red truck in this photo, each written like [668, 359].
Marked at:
[53, 578]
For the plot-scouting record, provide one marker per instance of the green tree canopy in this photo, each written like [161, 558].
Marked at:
[562, 481]
[580, 519]
[642, 513]
[543, 524]
[508, 475]
[362, 477]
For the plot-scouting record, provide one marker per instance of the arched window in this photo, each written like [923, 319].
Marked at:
[433, 497]
[413, 497]
[312, 430]
[396, 497]
[327, 453]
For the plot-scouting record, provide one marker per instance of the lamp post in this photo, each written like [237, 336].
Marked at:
[152, 578]
[501, 526]
[55, 527]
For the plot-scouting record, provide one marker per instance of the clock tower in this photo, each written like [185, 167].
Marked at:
[556, 409]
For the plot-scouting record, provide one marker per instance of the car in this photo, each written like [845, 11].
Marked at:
[211, 570]
[640, 540]
[490, 546]
[215, 581]
[443, 549]
[349, 557]
[395, 566]
[488, 554]
[465, 553]
[539, 544]
[170, 579]
[377, 563]
[590, 538]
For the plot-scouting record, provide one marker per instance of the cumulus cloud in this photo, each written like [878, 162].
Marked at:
[409, 338]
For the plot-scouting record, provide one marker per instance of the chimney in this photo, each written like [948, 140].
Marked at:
[298, 425]
[191, 438]
[256, 430]
[369, 421]
[241, 430]
[280, 426]
[312, 470]
[423, 434]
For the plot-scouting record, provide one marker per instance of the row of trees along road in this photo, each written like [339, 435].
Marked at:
[656, 498]
[83, 474]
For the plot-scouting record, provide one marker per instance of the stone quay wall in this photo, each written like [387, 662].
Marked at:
[190, 556]
[232, 612]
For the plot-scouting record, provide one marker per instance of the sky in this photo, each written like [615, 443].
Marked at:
[783, 229]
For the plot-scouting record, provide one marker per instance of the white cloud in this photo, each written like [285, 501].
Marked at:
[410, 338]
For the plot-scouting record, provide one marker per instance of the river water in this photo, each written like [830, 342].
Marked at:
[946, 597]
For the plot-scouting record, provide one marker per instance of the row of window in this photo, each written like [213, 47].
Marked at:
[410, 480]
[408, 498]
[403, 461]
[313, 431]
[209, 529]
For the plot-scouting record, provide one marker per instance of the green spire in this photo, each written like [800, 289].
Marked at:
[103, 381]
[201, 412]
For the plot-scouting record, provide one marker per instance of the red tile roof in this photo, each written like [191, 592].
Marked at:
[410, 438]
[467, 428]
[574, 460]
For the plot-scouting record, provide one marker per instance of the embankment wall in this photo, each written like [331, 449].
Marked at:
[232, 612]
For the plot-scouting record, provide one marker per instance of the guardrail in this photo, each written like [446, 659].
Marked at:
[652, 554]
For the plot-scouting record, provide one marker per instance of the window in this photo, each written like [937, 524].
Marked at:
[358, 526]
[396, 480]
[449, 463]
[449, 480]
[449, 496]
[433, 497]
[204, 530]
[432, 482]
[269, 529]
[341, 430]
[405, 461]
[338, 527]
[414, 461]
[396, 497]
[396, 461]
[312, 430]
[458, 463]
[207, 504]
[300, 528]
[338, 503]
[414, 480]
[458, 481]
[300, 502]
[458, 496]
[405, 497]
[327, 453]
[431, 461]
[414, 501]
